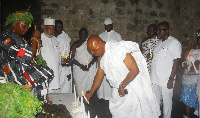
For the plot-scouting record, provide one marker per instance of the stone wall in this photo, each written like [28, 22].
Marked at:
[130, 18]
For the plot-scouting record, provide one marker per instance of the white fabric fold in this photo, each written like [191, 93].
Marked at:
[140, 102]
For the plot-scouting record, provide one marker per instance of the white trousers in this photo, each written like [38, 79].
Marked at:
[165, 94]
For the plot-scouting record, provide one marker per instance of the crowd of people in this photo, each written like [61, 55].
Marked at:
[136, 79]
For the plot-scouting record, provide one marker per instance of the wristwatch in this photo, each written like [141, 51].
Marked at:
[122, 85]
[171, 78]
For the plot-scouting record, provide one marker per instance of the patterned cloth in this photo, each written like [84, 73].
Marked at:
[15, 62]
[148, 46]
[188, 95]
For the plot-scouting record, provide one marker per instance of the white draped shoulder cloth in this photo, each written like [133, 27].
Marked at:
[140, 102]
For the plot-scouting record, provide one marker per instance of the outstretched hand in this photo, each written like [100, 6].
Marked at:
[88, 96]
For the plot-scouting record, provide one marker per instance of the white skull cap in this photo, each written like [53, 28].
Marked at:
[107, 21]
[49, 21]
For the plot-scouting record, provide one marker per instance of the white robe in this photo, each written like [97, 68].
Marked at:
[64, 48]
[51, 55]
[140, 102]
[105, 90]
[83, 79]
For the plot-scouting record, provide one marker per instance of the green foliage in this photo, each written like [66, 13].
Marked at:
[41, 61]
[18, 102]
[14, 17]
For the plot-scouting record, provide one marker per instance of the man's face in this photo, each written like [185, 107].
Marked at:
[151, 32]
[59, 28]
[95, 48]
[162, 31]
[49, 30]
[109, 27]
[20, 27]
[83, 34]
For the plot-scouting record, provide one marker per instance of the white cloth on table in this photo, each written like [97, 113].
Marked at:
[105, 90]
[148, 46]
[64, 48]
[163, 58]
[83, 79]
[140, 102]
[51, 55]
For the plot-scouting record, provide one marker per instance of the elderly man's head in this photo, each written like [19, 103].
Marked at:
[96, 45]
[49, 27]
[19, 22]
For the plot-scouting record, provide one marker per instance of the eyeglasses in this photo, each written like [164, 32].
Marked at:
[160, 30]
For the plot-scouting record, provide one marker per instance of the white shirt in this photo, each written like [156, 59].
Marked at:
[64, 43]
[50, 53]
[110, 36]
[163, 56]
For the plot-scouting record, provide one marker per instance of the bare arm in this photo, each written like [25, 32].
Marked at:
[133, 72]
[173, 73]
[97, 80]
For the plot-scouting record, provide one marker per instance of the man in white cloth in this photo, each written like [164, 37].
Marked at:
[63, 40]
[166, 57]
[50, 53]
[84, 64]
[105, 90]
[126, 71]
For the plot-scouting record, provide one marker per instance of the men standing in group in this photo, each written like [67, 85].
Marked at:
[148, 44]
[105, 90]
[50, 53]
[166, 57]
[64, 46]
[126, 70]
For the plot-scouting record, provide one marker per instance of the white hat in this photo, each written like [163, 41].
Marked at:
[107, 21]
[49, 21]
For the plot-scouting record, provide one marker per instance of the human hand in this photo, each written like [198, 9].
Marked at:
[148, 56]
[84, 68]
[170, 84]
[88, 96]
[39, 42]
[121, 91]
[37, 34]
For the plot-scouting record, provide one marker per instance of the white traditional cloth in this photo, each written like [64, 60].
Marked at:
[50, 53]
[148, 47]
[163, 58]
[64, 48]
[110, 36]
[105, 90]
[140, 102]
[107, 21]
[83, 79]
